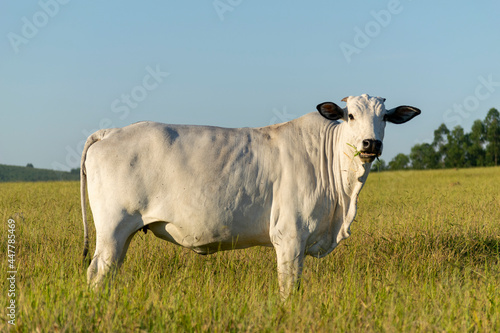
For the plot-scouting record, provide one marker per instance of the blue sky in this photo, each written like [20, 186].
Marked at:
[70, 67]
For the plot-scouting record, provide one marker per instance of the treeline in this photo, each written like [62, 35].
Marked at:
[453, 148]
[11, 173]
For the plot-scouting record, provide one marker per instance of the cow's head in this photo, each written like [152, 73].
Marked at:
[365, 118]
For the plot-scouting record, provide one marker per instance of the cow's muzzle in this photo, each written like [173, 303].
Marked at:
[371, 150]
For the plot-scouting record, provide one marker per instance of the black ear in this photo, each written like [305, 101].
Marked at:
[401, 114]
[330, 110]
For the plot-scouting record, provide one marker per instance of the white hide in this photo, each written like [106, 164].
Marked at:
[293, 186]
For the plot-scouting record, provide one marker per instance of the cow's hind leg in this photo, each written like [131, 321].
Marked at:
[112, 241]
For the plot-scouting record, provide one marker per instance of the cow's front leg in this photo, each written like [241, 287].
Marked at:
[290, 258]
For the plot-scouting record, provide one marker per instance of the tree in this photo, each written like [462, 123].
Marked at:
[379, 165]
[399, 162]
[440, 142]
[29, 165]
[492, 129]
[423, 156]
[476, 154]
[456, 148]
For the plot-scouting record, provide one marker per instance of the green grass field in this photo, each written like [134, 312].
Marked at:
[423, 256]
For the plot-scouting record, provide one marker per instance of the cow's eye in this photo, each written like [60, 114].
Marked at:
[351, 117]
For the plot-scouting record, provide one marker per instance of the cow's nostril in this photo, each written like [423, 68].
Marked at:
[366, 144]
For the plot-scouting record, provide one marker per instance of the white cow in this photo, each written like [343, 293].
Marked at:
[293, 186]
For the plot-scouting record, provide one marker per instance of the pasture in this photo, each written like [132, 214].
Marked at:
[423, 256]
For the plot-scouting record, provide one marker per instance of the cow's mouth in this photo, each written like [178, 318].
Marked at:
[367, 157]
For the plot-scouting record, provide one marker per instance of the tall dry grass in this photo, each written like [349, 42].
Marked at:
[423, 256]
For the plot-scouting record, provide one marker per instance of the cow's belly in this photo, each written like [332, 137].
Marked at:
[210, 238]
[221, 215]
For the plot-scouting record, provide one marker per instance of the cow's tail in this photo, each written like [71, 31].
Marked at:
[97, 136]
